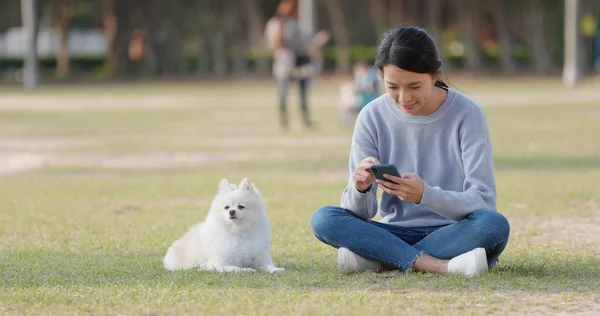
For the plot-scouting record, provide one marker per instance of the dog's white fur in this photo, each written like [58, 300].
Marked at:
[225, 242]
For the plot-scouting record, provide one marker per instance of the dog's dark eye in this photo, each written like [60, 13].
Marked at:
[227, 207]
[241, 207]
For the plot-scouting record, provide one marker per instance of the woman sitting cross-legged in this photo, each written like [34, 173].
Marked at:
[440, 216]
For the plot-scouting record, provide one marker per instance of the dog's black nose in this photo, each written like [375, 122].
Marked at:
[231, 212]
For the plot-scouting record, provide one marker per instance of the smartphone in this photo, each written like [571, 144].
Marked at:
[380, 170]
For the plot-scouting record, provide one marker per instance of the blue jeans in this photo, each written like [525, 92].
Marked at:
[400, 246]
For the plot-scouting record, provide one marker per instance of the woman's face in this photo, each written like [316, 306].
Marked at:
[288, 8]
[410, 90]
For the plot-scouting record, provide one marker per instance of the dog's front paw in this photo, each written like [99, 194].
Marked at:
[236, 269]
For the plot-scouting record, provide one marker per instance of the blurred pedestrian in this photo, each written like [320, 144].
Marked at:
[295, 57]
[355, 95]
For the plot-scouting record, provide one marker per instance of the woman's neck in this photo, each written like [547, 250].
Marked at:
[438, 96]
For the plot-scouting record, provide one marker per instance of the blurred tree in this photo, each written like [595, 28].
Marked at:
[205, 21]
[395, 10]
[377, 9]
[537, 36]
[30, 19]
[109, 25]
[9, 14]
[572, 64]
[238, 39]
[225, 13]
[498, 9]
[340, 35]
[225, 36]
[469, 24]
[411, 12]
[434, 27]
[123, 11]
[61, 16]
[256, 21]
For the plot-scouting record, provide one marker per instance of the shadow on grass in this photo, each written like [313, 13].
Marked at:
[544, 272]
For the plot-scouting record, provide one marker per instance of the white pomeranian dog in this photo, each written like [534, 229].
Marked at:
[234, 237]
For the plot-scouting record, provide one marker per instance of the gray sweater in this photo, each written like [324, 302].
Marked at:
[294, 38]
[449, 149]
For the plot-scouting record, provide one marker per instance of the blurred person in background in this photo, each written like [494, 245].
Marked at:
[355, 95]
[296, 57]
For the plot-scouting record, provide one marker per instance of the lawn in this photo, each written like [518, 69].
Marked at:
[97, 181]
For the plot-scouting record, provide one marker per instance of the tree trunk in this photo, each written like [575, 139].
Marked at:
[504, 38]
[125, 25]
[340, 33]
[572, 64]
[63, 18]
[240, 67]
[434, 28]
[29, 13]
[396, 12]
[410, 12]
[256, 21]
[537, 37]
[202, 62]
[175, 55]
[434, 18]
[377, 10]
[169, 41]
[469, 23]
[175, 41]
[236, 34]
[109, 19]
[219, 55]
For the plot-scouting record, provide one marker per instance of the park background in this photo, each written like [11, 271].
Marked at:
[106, 157]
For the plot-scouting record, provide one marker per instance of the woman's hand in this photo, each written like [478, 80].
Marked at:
[321, 38]
[363, 177]
[408, 188]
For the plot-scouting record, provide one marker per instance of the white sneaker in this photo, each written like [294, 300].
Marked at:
[469, 263]
[349, 261]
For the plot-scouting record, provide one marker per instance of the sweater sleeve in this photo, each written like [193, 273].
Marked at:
[479, 188]
[363, 145]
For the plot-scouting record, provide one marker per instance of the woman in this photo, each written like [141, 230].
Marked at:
[292, 56]
[440, 215]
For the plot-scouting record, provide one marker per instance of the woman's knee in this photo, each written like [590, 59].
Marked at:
[493, 222]
[323, 220]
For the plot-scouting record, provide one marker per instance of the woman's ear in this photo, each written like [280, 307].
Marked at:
[436, 75]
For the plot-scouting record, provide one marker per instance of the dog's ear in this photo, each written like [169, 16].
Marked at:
[224, 186]
[247, 185]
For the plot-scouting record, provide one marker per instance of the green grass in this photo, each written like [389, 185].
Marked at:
[83, 236]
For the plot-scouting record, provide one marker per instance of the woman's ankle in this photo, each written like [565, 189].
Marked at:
[388, 267]
[427, 263]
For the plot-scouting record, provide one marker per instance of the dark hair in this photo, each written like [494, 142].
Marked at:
[411, 49]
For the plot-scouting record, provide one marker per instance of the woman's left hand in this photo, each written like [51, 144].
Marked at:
[321, 37]
[409, 188]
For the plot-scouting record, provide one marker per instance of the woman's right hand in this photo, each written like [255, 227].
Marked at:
[363, 177]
